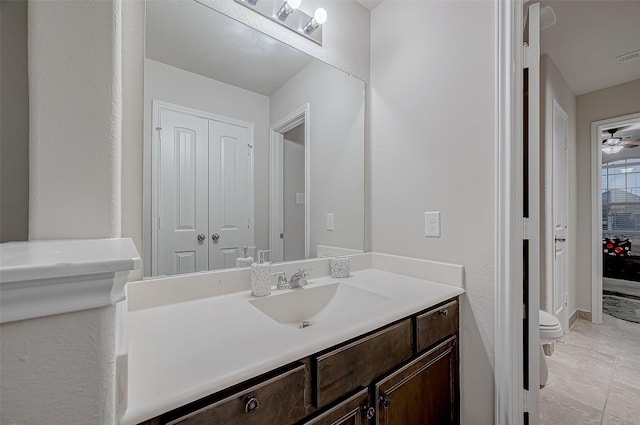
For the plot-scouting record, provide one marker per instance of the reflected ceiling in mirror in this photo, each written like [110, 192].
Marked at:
[248, 142]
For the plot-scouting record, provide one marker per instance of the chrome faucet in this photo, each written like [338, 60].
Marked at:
[296, 280]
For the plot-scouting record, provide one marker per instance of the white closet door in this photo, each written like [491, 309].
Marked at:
[229, 153]
[183, 193]
[560, 215]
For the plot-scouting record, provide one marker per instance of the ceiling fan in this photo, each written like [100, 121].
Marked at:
[613, 144]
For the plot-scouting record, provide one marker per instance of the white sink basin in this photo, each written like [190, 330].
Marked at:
[320, 304]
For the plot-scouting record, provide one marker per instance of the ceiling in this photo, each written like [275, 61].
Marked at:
[587, 38]
[370, 4]
[193, 37]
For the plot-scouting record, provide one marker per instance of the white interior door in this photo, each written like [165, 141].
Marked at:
[182, 193]
[229, 194]
[560, 214]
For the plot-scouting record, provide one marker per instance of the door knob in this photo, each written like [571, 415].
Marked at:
[560, 239]
[215, 236]
[201, 237]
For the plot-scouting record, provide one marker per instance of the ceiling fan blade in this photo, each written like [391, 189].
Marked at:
[631, 143]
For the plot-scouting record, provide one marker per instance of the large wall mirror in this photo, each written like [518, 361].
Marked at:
[248, 143]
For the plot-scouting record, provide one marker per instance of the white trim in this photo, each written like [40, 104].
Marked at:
[509, 403]
[596, 209]
[150, 233]
[533, 178]
[276, 215]
[295, 118]
[42, 278]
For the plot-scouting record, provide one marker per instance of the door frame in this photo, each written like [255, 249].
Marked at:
[596, 209]
[151, 174]
[276, 213]
[511, 400]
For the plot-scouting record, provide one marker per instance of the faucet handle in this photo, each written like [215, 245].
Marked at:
[304, 272]
[282, 280]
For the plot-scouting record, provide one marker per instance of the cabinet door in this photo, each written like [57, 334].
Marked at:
[356, 410]
[424, 392]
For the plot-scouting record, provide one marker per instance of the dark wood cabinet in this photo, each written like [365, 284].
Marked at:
[425, 391]
[344, 369]
[405, 373]
[355, 410]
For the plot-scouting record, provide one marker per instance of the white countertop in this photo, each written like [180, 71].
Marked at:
[182, 352]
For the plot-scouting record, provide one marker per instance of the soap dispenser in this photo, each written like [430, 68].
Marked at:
[244, 260]
[261, 276]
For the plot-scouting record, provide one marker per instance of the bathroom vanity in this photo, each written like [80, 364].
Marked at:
[392, 359]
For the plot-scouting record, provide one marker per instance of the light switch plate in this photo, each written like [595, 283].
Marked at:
[432, 224]
[330, 221]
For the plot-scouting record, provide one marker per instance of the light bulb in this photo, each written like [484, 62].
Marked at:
[320, 15]
[294, 4]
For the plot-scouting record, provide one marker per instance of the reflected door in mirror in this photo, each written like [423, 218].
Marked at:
[203, 193]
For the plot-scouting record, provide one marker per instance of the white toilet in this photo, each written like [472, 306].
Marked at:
[550, 330]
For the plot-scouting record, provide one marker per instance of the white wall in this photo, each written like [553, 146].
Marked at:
[337, 168]
[433, 86]
[174, 85]
[345, 45]
[59, 370]
[75, 120]
[553, 86]
[14, 118]
[595, 106]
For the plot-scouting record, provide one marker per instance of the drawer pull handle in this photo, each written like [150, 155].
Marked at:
[251, 404]
[370, 411]
[445, 313]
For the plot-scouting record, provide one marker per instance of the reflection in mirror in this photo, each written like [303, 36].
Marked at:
[248, 142]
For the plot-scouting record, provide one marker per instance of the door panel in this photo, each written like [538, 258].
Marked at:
[560, 217]
[182, 193]
[229, 150]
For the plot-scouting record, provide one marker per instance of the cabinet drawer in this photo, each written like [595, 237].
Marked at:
[343, 370]
[436, 325]
[276, 401]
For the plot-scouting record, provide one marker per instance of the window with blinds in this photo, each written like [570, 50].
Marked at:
[621, 197]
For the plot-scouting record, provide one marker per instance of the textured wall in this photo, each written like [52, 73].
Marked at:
[595, 106]
[75, 119]
[433, 87]
[59, 370]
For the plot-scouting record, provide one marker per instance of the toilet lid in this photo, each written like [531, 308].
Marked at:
[548, 320]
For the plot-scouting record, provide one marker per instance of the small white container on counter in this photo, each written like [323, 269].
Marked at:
[340, 267]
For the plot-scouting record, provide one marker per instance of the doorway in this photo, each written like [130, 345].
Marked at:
[615, 216]
[289, 218]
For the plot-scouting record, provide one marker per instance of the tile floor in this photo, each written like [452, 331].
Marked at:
[594, 376]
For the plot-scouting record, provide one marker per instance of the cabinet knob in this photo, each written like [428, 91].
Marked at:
[215, 237]
[251, 404]
[201, 237]
[385, 402]
[370, 411]
[444, 313]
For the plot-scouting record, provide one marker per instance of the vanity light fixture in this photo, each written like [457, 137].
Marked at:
[288, 14]
[319, 18]
[287, 9]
